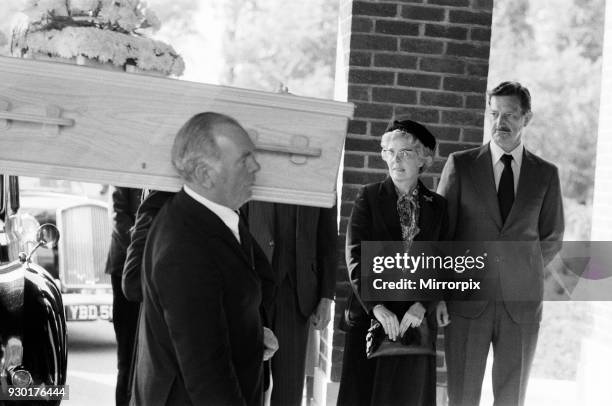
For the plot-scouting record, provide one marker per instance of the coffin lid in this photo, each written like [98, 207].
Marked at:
[80, 123]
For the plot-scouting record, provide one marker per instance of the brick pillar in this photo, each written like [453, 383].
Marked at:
[426, 60]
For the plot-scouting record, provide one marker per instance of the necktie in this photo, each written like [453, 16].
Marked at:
[245, 240]
[505, 192]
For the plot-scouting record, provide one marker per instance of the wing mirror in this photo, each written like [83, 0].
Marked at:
[47, 235]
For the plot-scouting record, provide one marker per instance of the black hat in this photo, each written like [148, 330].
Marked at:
[416, 129]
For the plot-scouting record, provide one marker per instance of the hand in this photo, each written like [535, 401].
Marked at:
[270, 343]
[322, 315]
[388, 320]
[442, 316]
[412, 318]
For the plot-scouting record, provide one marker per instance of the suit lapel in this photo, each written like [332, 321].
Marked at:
[305, 217]
[210, 224]
[528, 186]
[261, 225]
[484, 183]
[306, 221]
[427, 216]
[387, 199]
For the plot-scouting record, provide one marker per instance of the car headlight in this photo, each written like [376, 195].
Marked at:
[20, 377]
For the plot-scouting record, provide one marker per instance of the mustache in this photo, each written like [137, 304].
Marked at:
[506, 129]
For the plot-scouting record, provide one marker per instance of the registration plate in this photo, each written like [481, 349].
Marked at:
[89, 312]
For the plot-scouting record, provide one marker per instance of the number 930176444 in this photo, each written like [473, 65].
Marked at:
[32, 392]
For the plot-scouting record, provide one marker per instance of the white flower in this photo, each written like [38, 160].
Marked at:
[128, 19]
[151, 20]
[63, 45]
[106, 46]
[38, 10]
[122, 13]
[110, 39]
[78, 7]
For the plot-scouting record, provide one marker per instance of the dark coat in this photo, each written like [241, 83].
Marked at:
[125, 204]
[386, 380]
[312, 270]
[201, 332]
[150, 206]
[300, 243]
[375, 218]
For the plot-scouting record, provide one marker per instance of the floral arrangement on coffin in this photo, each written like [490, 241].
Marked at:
[108, 31]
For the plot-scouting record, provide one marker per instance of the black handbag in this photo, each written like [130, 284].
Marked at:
[415, 341]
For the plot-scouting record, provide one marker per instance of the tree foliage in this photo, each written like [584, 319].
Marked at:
[554, 47]
[9, 12]
[255, 44]
[268, 42]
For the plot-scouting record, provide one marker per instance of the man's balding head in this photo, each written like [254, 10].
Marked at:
[195, 143]
[214, 155]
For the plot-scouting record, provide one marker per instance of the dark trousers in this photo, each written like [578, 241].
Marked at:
[288, 363]
[357, 381]
[467, 344]
[125, 322]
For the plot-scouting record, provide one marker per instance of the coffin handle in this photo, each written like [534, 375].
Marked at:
[298, 148]
[51, 122]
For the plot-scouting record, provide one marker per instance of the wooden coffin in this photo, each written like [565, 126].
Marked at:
[81, 123]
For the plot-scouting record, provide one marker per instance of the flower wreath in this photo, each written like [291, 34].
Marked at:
[109, 31]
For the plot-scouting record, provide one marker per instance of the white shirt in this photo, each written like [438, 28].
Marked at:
[228, 216]
[498, 165]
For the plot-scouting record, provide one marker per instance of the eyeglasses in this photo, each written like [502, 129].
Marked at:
[402, 154]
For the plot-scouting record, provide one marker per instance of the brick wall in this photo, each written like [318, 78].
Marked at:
[426, 60]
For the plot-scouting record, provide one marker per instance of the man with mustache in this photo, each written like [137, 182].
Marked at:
[500, 193]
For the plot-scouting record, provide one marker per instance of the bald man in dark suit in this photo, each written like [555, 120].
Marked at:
[501, 193]
[205, 282]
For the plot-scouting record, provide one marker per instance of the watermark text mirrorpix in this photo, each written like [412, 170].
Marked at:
[472, 270]
[411, 264]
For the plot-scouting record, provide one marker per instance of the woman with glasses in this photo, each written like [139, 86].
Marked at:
[400, 208]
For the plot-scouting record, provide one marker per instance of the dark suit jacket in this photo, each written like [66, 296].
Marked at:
[468, 184]
[150, 206]
[313, 268]
[201, 333]
[125, 205]
[375, 218]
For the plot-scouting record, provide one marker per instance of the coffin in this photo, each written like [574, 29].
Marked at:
[81, 123]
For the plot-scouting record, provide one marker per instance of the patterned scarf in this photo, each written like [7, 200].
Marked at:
[408, 209]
